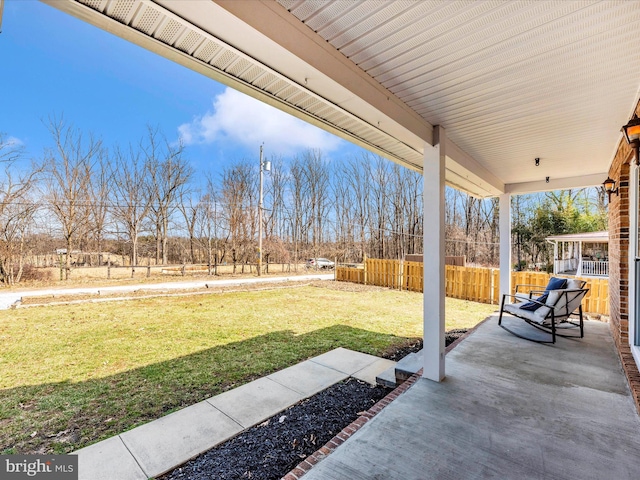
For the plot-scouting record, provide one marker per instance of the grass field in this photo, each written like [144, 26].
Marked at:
[72, 375]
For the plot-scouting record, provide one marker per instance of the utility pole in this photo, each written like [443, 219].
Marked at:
[264, 167]
[260, 218]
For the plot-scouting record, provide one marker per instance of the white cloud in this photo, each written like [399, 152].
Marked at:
[13, 142]
[238, 118]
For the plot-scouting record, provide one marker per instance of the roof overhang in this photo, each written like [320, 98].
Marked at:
[589, 237]
[333, 65]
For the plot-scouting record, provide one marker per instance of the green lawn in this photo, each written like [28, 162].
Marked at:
[72, 375]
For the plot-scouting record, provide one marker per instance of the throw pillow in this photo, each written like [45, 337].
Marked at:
[533, 306]
[556, 284]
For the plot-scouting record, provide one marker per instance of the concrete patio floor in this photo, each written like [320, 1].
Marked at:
[507, 409]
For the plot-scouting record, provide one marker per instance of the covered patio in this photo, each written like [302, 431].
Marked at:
[508, 408]
[495, 98]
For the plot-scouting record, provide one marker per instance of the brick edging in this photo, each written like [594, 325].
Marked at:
[308, 463]
[631, 371]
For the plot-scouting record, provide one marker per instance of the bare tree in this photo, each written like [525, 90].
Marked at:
[207, 226]
[239, 204]
[190, 210]
[133, 196]
[170, 174]
[17, 208]
[99, 196]
[69, 167]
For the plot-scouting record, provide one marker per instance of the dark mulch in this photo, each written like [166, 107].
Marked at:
[416, 345]
[275, 447]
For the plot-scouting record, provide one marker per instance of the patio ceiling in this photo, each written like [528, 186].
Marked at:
[509, 81]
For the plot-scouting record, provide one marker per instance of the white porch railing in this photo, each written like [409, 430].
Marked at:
[567, 265]
[595, 268]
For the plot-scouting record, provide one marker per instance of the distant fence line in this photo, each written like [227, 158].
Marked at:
[478, 284]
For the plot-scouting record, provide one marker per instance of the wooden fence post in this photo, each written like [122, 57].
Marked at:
[365, 268]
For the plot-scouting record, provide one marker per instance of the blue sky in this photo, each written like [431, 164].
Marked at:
[56, 65]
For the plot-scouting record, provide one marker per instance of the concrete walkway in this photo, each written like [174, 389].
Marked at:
[7, 299]
[159, 446]
[508, 409]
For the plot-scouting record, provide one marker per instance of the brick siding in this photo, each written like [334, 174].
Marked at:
[619, 208]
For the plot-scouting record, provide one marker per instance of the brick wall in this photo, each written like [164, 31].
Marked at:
[619, 244]
[619, 264]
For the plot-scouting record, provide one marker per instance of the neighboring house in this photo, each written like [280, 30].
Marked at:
[581, 254]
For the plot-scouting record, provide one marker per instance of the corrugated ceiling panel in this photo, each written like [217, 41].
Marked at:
[207, 51]
[289, 4]
[327, 14]
[288, 92]
[333, 25]
[147, 20]
[266, 82]
[306, 9]
[224, 59]
[375, 29]
[494, 72]
[238, 66]
[189, 42]
[121, 10]
[310, 104]
[169, 31]
[298, 97]
[252, 74]
[346, 40]
[96, 4]
[277, 87]
[467, 61]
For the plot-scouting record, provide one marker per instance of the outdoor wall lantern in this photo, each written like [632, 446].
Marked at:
[632, 134]
[609, 185]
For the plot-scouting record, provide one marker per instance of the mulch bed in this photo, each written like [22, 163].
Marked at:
[275, 447]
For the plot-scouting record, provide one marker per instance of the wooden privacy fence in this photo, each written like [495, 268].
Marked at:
[477, 284]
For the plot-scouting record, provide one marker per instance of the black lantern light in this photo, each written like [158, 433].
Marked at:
[609, 187]
[632, 134]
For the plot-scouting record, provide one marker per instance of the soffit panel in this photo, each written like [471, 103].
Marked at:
[509, 80]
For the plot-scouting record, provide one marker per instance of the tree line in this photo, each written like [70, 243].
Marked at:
[146, 202]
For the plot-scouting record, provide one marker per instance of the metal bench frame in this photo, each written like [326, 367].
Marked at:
[557, 318]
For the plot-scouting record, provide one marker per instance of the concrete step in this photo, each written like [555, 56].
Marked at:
[408, 366]
[387, 378]
[394, 376]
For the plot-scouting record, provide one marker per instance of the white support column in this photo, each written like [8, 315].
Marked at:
[505, 244]
[579, 269]
[433, 247]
